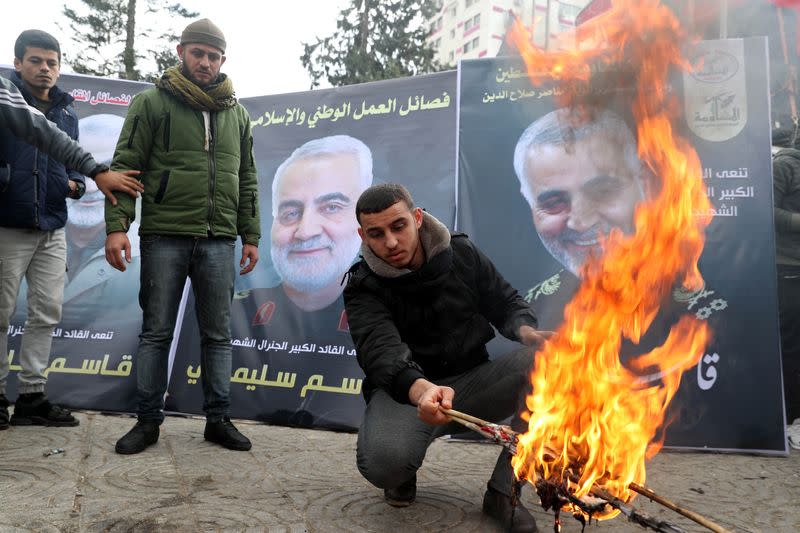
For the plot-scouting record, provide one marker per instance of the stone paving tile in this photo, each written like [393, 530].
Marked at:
[295, 481]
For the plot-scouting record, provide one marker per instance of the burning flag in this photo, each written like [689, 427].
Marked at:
[593, 421]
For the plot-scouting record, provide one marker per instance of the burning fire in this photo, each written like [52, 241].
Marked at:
[594, 421]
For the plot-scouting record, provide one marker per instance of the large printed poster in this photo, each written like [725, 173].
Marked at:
[91, 361]
[536, 211]
[293, 359]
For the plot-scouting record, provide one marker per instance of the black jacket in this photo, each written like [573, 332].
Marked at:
[786, 194]
[429, 323]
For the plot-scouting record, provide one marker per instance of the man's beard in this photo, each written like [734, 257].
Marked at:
[574, 260]
[308, 274]
[188, 75]
[83, 216]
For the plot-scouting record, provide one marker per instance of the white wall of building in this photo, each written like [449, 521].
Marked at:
[468, 29]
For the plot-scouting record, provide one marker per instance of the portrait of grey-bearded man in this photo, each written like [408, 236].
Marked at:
[314, 242]
[582, 178]
[314, 237]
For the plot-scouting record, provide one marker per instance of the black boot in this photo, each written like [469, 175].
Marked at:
[516, 519]
[3, 412]
[403, 495]
[225, 434]
[34, 409]
[144, 434]
[497, 500]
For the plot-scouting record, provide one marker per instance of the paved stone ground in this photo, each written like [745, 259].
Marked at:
[301, 480]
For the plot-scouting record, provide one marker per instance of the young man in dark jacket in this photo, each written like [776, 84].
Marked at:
[33, 212]
[421, 305]
[192, 139]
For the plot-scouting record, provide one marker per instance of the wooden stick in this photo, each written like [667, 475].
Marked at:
[691, 515]
[452, 413]
[471, 425]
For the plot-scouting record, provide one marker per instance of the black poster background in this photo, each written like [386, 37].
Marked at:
[414, 147]
[98, 300]
[740, 406]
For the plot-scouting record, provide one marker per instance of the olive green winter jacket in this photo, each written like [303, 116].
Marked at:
[194, 186]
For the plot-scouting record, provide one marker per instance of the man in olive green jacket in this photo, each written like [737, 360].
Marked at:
[192, 140]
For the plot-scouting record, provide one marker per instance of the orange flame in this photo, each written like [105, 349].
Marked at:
[593, 421]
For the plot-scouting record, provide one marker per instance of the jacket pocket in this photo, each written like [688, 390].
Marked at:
[166, 132]
[63, 190]
[162, 187]
[253, 204]
[133, 130]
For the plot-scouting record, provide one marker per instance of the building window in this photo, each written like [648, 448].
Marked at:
[471, 45]
[437, 43]
[568, 12]
[451, 56]
[474, 21]
[452, 34]
[469, 3]
[454, 10]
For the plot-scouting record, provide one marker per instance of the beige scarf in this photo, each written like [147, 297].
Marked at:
[215, 97]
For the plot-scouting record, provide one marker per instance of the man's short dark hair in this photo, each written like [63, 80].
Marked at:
[380, 197]
[35, 39]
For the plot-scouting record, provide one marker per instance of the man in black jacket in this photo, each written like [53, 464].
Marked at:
[786, 194]
[421, 305]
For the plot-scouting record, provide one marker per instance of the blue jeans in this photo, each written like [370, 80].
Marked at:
[166, 262]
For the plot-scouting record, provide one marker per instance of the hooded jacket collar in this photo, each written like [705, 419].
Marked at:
[435, 239]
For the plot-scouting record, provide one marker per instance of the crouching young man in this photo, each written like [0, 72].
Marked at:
[421, 305]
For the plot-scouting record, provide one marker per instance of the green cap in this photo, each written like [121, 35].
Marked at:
[204, 31]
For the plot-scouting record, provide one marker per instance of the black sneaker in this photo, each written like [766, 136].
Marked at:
[142, 435]
[516, 519]
[36, 410]
[225, 434]
[402, 496]
[3, 412]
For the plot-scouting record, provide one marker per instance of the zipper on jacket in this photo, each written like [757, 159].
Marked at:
[35, 173]
[253, 203]
[212, 169]
[166, 133]
[133, 131]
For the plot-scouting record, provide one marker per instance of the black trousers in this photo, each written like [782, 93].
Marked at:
[789, 308]
[392, 441]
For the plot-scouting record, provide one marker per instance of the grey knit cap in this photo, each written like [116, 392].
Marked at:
[204, 31]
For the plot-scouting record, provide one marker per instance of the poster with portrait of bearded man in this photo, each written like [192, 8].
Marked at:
[541, 186]
[293, 359]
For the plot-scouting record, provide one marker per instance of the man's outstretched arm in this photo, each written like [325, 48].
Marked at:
[31, 126]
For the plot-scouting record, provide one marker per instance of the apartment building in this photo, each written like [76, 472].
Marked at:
[468, 29]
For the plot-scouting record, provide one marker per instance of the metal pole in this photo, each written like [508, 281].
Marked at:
[547, 27]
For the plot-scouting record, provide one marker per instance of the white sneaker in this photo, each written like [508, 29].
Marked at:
[793, 434]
